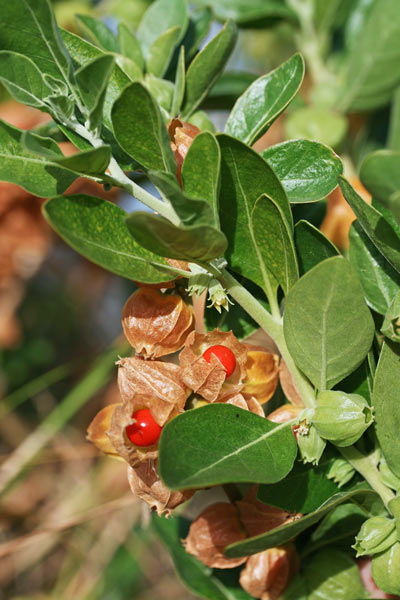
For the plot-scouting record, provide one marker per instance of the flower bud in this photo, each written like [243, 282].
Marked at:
[262, 373]
[311, 445]
[156, 324]
[386, 569]
[391, 324]
[340, 471]
[215, 528]
[267, 574]
[146, 484]
[376, 535]
[342, 418]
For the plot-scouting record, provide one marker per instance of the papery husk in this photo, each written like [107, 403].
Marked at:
[159, 384]
[262, 370]
[268, 573]
[96, 432]
[215, 528]
[258, 517]
[182, 135]
[209, 379]
[146, 484]
[284, 413]
[156, 324]
[240, 401]
[288, 386]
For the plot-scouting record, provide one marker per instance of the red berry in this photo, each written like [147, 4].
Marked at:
[145, 432]
[224, 355]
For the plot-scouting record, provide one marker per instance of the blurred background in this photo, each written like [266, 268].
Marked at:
[69, 525]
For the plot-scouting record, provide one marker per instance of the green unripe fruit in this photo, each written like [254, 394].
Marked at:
[376, 535]
[342, 418]
[386, 569]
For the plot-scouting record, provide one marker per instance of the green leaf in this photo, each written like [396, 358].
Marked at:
[385, 569]
[39, 176]
[179, 89]
[29, 27]
[393, 142]
[236, 318]
[93, 79]
[227, 444]
[158, 18]
[265, 99]
[339, 527]
[206, 67]
[161, 51]
[274, 241]
[198, 28]
[199, 579]
[316, 123]
[230, 86]
[380, 232]
[308, 170]
[312, 246]
[386, 403]
[98, 33]
[130, 46]
[23, 80]
[182, 242]
[303, 490]
[162, 91]
[249, 13]
[83, 52]
[96, 229]
[140, 129]
[327, 325]
[284, 533]
[129, 67]
[379, 280]
[201, 169]
[371, 72]
[245, 176]
[380, 173]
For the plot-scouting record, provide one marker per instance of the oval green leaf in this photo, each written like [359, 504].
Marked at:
[226, 444]
[23, 80]
[158, 18]
[380, 173]
[161, 51]
[312, 246]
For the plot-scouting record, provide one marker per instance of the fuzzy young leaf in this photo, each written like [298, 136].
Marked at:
[130, 46]
[96, 229]
[250, 449]
[386, 403]
[284, 533]
[161, 51]
[206, 67]
[201, 169]
[93, 79]
[23, 80]
[158, 18]
[312, 246]
[327, 325]
[274, 242]
[308, 170]
[180, 80]
[98, 32]
[38, 175]
[379, 280]
[140, 129]
[266, 98]
[377, 228]
[198, 28]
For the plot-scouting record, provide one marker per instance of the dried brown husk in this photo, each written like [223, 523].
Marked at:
[156, 324]
[258, 517]
[268, 573]
[209, 379]
[262, 370]
[146, 484]
[284, 413]
[288, 386]
[240, 401]
[182, 135]
[215, 528]
[97, 430]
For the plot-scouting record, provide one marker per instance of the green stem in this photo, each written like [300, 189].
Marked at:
[273, 327]
[367, 468]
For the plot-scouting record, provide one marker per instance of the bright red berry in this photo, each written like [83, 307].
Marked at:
[145, 432]
[224, 355]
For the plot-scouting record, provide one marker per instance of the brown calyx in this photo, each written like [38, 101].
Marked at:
[182, 135]
[262, 370]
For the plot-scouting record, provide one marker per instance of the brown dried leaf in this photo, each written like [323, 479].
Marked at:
[214, 529]
[288, 386]
[267, 574]
[208, 379]
[147, 485]
[156, 324]
[261, 374]
[258, 517]
[96, 432]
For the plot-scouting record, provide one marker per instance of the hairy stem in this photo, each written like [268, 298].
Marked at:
[365, 465]
[273, 327]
